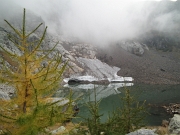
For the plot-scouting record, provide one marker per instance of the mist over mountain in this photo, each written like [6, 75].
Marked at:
[104, 21]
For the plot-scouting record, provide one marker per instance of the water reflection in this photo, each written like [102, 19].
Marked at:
[155, 96]
[86, 91]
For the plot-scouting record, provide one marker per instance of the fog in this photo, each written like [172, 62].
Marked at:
[103, 21]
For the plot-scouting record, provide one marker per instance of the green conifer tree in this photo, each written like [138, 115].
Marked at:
[129, 116]
[29, 112]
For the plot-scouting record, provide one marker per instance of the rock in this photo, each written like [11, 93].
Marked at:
[98, 69]
[174, 125]
[143, 132]
[6, 91]
[58, 131]
[134, 47]
[73, 81]
[4, 96]
[74, 67]
[173, 108]
[84, 50]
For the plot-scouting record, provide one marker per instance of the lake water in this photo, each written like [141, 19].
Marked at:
[155, 96]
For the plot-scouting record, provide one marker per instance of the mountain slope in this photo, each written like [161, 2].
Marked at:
[153, 66]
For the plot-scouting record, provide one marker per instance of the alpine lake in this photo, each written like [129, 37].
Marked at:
[156, 96]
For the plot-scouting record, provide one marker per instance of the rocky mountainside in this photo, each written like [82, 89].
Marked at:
[145, 65]
[144, 62]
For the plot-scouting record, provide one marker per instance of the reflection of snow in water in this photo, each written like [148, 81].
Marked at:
[86, 91]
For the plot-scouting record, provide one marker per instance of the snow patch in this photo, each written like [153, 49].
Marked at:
[95, 70]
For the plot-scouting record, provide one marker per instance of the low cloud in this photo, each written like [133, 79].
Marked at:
[104, 21]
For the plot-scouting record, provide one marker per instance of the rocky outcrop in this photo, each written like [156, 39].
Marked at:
[133, 47]
[172, 108]
[98, 69]
[83, 50]
[174, 125]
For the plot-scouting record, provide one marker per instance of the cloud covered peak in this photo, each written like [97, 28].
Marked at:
[104, 21]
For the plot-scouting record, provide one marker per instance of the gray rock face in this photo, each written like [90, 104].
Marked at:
[143, 132]
[134, 47]
[8, 45]
[174, 125]
[83, 50]
[6, 91]
[98, 69]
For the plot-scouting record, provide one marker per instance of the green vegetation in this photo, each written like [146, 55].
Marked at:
[35, 77]
[93, 120]
[128, 117]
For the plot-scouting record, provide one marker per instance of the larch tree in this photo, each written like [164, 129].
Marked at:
[35, 76]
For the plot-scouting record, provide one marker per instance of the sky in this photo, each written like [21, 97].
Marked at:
[102, 21]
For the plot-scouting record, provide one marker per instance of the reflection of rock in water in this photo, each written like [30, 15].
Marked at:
[86, 91]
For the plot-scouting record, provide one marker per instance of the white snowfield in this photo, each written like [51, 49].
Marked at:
[98, 71]
[121, 79]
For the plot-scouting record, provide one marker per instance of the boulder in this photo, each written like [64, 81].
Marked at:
[134, 47]
[174, 125]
